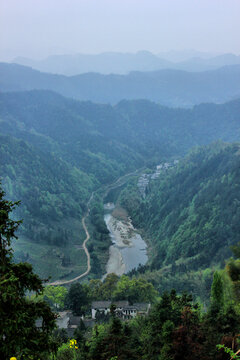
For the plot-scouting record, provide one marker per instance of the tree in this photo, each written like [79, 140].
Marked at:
[112, 341]
[236, 250]
[217, 298]
[77, 299]
[221, 322]
[188, 338]
[233, 270]
[99, 290]
[108, 286]
[163, 318]
[55, 296]
[134, 290]
[19, 334]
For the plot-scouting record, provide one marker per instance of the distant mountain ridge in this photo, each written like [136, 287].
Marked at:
[31, 115]
[186, 54]
[123, 63]
[104, 63]
[168, 87]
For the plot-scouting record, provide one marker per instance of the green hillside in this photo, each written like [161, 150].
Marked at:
[53, 199]
[123, 134]
[190, 215]
[55, 151]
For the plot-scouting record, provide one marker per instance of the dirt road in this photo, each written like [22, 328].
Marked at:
[64, 282]
[115, 184]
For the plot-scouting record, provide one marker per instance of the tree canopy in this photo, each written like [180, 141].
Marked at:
[19, 333]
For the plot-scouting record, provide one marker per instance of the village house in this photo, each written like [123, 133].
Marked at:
[69, 322]
[122, 310]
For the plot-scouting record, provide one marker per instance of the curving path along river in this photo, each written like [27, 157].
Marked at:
[64, 282]
[117, 183]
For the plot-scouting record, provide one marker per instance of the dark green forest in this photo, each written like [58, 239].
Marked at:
[54, 152]
[59, 157]
[174, 328]
[119, 180]
[190, 217]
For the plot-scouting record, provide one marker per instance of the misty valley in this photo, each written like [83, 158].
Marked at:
[129, 189]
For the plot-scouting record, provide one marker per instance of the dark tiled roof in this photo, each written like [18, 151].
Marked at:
[74, 320]
[107, 304]
[141, 306]
[120, 304]
[130, 307]
[101, 304]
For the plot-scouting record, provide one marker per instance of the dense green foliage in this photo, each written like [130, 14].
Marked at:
[77, 299]
[99, 241]
[54, 152]
[55, 296]
[196, 207]
[19, 335]
[61, 156]
[54, 196]
[190, 216]
[125, 288]
[79, 296]
[50, 189]
[175, 329]
[79, 133]
[108, 141]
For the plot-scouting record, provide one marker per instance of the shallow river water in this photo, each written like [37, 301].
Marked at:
[128, 249]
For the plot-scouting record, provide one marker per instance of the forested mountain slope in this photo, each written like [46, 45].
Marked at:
[48, 187]
[53, 198]
[191, 212]
[49, 120]
[168, 87]
[55, 151]
[81, 133]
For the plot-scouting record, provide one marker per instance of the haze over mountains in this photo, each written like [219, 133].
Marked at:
[89, 129]
[123, 63]
[120, 180]
[168, 87]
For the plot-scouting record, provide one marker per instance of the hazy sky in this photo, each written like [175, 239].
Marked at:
[37, 28]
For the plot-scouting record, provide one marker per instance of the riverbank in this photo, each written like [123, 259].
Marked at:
[128, 249]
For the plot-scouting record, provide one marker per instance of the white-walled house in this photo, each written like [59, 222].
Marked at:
[122, 309]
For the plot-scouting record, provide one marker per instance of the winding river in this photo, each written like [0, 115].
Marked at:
[128, 249]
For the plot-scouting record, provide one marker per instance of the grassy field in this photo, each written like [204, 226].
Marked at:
[56, 262]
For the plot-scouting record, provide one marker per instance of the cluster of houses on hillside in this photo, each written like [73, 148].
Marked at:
[144, 179]
[122, 309]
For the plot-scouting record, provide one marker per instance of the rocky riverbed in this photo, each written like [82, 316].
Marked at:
[128, 249]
